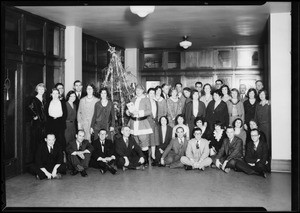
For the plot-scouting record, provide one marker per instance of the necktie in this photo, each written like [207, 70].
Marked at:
[102, 146]
[51, 150]
[80, 147]
[197, 145]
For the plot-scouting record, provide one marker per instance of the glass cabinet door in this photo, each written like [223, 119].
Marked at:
[53, 40]
[152, 60]
[34, 35]
[248, 58]
[224, 58]
[12, 30]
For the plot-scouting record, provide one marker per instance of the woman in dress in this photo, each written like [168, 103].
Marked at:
[194, 109]
[161, 103]
[56, 120]
[39, 118]
[200, 123]
[216, 138]
[86, 111]
[180, 122]
[207, 97]
[226, 93]
[164, 136]
[174, 107]
[250, 106]
[216, 111]
[104, 115]
[235, 107]
[70, 130]
[240, 132]
[263, 115]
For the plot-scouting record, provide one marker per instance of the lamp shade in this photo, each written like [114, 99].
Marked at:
[185, 43]
[142, 11]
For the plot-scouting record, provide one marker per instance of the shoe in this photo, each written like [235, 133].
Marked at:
[37, 177]
[142, 167]
[102, 171]
[227, 170]
[188, 167]
[112, 170]
[161, 165]
[74, 172]
[203, 168]
[213, 166]
[83, 173]
[124, 168]
[154, 163]
[264, 175]
[58, 176]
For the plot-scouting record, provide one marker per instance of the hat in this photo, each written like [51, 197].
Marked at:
[139, 86]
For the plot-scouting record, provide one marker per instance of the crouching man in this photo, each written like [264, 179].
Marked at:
[49, 160]
[197, 152]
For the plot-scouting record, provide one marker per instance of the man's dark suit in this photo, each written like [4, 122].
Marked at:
[47, 160]
[109, 150]
[251, 156]
[133, 152]
[162, 144]
[230, 152]
[75, 159]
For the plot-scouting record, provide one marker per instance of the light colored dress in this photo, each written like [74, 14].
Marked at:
[162, 107]
[174, 108]
[85, 114]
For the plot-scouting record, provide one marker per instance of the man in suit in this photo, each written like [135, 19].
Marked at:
[255, 162]
[128, 153]
[165, 91]
[175, 150]
[61, 89]
[197, 152]
[181, 97]
[231, 150]
[80, 151]
[103, 156]
[49, 160]
[77, 86]
[243, 90]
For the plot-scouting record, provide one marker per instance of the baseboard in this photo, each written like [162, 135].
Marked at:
[281, 165]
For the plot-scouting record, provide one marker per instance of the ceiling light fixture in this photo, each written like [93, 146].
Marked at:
[185, 43]
[142, 11]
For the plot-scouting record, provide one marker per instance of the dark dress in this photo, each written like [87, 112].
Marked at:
[249, 110]
[218, 114]
[38, 127]
[216, 143]
[103, 118]
[70, 130]
[189, 116]
[162, 144]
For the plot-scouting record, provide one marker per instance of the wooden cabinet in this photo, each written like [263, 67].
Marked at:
[223, 58]
[197, 59]
[249, 57]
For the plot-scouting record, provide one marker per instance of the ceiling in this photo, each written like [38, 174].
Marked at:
[165, 27]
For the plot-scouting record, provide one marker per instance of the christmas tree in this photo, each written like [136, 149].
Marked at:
[120, 83]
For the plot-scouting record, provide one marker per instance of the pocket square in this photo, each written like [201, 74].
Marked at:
[132, 147]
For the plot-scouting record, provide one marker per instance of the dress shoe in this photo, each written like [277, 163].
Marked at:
[112, 170]
[161, 165]
[102, 171]
[264, 175]
[124, 168]
[154, 163]
[188, 167]
[227, 170]
[74, 172]
[142, 167]
[83, 173]
[58, 176]
[37, 177]
[213, 166]
[203, 168]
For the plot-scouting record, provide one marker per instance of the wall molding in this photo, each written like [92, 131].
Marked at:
[281, 165]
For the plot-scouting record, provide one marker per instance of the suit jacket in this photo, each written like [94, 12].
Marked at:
[168, 137]
[132, 150]
[231, 150]
[72, 146]
[176, 147]
[109, 149]
[260, 153]
[44, 159]
[197, 154]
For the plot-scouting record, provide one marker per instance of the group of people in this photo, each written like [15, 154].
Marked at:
[191, 128]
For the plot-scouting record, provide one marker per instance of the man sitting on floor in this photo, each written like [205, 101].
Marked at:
[103, 156]
[79, 151]
[175, 150]
[255, 162]
[129, 154]
[231, 150]
[49, 160]
[197, 152]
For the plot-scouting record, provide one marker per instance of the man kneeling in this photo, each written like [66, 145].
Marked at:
[103, 156]
[49, 160]
[197, 152]
[129, 154]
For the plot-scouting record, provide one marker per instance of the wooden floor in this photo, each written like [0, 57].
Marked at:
[153, 187]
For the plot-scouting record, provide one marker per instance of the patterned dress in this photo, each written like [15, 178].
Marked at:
[174, 108]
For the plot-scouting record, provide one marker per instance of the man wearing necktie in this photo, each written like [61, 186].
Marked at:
[175, 150]
[128, 153]
[80, 151]
[255, 162]
[49, 160]
[103, 156]
[197, 152]
[230, 152]
[243, 90]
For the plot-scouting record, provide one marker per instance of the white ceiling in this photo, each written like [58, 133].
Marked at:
[165, 27]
